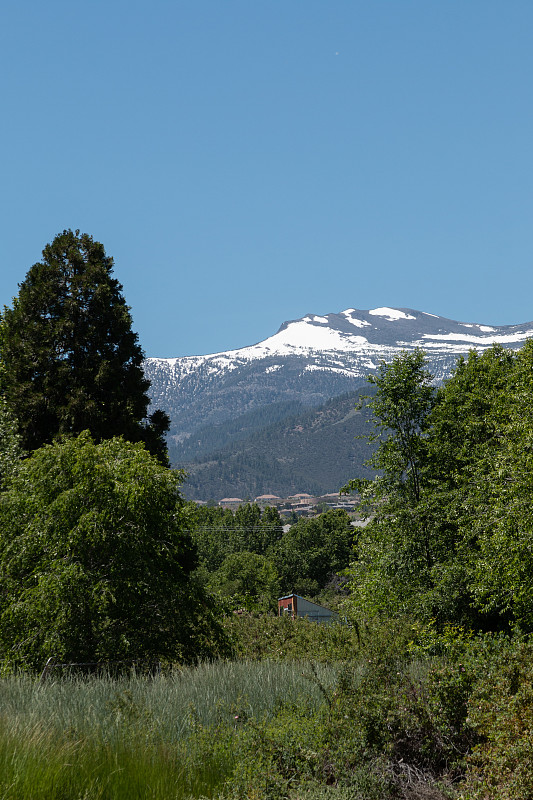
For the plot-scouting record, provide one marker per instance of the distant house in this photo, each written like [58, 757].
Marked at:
[232, 503]
[302, 499]
[302, 504]
[334, 500]
[265, 500]
[296, 606]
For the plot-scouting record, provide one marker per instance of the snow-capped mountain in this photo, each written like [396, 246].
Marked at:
[311, 360]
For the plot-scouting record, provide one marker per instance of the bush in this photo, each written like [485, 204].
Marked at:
[258, 637]
[501, 712]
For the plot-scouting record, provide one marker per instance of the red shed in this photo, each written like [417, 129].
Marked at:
[297, 606]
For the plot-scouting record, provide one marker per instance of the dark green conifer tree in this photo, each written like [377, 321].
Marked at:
[69, 358]
[10, 450]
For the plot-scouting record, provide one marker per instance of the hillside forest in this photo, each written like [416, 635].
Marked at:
[284, 448]
[141, 654]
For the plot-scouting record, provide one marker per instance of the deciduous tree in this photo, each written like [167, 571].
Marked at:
[248, 580]
[313, 551]
[451, 534]
[95, 560]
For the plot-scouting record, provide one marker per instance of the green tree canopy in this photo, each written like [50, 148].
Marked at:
[396, 551]
[455, 544]
[219, 532]
[500, 501]
[69, 358]
[248, 580]
[313, 551]
[95, 561]
[401, 405]
[10, 449]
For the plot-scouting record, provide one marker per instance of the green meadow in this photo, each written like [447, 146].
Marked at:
[171, 736]
[411, 715]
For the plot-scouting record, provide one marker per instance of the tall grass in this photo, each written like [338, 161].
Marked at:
[168, 737]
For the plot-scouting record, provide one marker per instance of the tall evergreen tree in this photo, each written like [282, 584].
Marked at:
[10, 450]
[69, 358]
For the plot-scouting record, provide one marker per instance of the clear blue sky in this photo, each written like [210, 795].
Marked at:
[249, 161]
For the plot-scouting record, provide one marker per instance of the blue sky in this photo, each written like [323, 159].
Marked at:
[249, 162]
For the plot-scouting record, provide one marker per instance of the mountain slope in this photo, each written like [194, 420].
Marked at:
[305, 364]
[211, 438]
[311, 360]
[316, 451]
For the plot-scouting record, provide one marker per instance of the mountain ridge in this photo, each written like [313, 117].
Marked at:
[309, 361]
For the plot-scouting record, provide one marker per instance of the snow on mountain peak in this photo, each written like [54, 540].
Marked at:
[485, 341]
[315, 334]
[359, 323]
[302, 335]
[315, 318]
[312, 359]
[392, 314]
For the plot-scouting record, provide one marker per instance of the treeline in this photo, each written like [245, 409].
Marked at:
[247, 559]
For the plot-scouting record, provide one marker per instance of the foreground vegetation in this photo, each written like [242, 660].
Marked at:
[170, 736]
[410, 715]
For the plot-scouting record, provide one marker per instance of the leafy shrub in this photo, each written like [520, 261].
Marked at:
[95, 560]
[501, 711]
[271, 637]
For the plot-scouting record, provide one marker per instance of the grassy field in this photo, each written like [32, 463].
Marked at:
[171, 736]
[439, 718]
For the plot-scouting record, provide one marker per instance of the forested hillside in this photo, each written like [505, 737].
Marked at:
[314, 451]
[216, 437]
